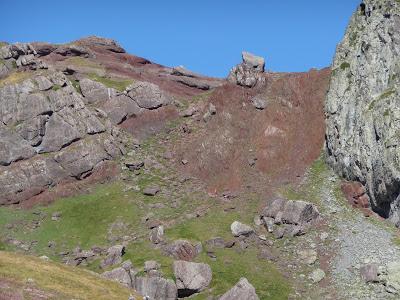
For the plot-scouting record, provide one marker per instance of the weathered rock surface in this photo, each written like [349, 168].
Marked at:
[362, 105]
[242, 290]
[183, 250]
[191, 277]
[147, 95]
[114, 256]
[250, 72]
[156, 288]
[125, 274]
[291, 212]
[239, 229]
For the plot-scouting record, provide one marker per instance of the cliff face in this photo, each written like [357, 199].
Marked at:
[363, 105]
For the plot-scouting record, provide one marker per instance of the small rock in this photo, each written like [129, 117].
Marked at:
[134, 165]
[56, 216]
[317, 275]
[239, 229]
[185, 161]
[157, 234]
[269, 224]
[212, 109]
[259, 103]
[369, 273]
[324, 236]
[151, 190]
[279, 232]
[308, 256]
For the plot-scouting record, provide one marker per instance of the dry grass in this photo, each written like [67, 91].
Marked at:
[15, 77]
[62, 281]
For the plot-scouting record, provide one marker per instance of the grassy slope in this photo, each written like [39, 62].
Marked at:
[61, 281]
[87, 219]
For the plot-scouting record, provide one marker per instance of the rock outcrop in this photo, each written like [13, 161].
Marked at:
[250, 72]
[362, 105]
[242, 290]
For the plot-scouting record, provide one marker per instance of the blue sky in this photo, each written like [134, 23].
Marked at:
[205, 36]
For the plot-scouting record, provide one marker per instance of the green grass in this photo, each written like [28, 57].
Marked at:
[115, 83]
[60, 281]
[56, 87]
[76, 86]
[2, 44]
[85, 220]
[230, 265]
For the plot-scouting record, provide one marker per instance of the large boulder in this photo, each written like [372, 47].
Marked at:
[241, 291]
[156, 288]
[250, 72]
[291, 212]
[94, 91]
[147, 95]
[191, 277]
[363, 105]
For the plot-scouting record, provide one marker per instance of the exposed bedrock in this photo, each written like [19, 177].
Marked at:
[363, 105]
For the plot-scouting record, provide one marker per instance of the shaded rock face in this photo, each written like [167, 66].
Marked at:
[242, 290]
[249, 72]
[362, 105]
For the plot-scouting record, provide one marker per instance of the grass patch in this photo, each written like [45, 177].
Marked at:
[83, 62]
[2, 44]
[56, 87]
[115, 83]
[62, 281]
[14, 78]
[76, 86]
[85, 220]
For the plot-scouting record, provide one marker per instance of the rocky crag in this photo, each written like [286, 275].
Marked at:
[362, 106]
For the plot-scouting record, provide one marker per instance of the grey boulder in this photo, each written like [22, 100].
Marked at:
[147, 95]
[191, 277]
[243, 290]
[239, 229]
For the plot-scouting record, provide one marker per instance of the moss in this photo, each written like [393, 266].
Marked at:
[115, 83]
[344, 66]
[76, 86]
[386, 94]
[382, 96]
[56, 87]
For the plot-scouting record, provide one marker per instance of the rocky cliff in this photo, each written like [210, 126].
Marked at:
[362, 106]
[60, 107]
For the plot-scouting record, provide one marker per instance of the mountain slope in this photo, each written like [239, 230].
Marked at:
[26, 277]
